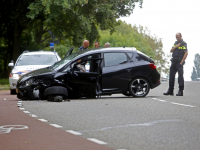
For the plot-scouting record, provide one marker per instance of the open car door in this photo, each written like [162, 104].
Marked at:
[85, 78]
[69, 52]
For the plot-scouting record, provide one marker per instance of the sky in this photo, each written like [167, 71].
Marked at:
[164, 18]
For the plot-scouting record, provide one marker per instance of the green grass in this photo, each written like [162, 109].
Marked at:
[4, 84]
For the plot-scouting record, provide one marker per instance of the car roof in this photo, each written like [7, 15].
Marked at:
[39, 52]
[108, 49]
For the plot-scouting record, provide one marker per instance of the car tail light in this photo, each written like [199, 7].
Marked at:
[152, 66]
[10, 75]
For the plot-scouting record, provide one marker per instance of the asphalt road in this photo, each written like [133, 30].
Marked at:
[152, 123]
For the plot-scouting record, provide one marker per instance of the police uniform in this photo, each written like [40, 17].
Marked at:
[177, 57]
[82, 48]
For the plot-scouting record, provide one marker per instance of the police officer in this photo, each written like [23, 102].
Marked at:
[85, 45]
[179, 54]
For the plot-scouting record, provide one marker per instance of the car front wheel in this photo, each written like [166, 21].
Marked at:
[139, 87]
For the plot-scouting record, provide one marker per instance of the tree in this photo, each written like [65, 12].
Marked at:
[141, 39]
[196, 68]
[25, 23]
[194, 75]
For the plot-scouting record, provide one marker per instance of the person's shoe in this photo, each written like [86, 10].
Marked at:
[169, 93]
[180, 93]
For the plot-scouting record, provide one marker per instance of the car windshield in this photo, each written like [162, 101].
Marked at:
[36, 59]
[64, 61]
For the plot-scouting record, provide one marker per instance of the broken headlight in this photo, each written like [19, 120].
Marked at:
[29, 82]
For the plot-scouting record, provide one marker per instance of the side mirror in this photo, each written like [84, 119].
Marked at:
[11, 64]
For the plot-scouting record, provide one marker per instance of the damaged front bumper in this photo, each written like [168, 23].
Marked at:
[27, 93]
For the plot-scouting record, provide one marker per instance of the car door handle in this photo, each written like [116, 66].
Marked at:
[92, 78]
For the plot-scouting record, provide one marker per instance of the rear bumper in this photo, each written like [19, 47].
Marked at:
[155, 85]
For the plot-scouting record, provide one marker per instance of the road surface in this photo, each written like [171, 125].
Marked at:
[119, 122]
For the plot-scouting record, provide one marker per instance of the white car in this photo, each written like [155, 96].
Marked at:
[29, 61]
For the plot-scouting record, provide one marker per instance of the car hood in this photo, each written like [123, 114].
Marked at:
[21, 70]
[40, 72]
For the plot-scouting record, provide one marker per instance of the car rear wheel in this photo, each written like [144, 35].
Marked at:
[139, 87]
[12, 92]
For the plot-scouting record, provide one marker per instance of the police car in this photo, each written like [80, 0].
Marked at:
[29, 61]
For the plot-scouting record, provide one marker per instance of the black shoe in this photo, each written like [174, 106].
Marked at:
[169, 93]
[180, 93]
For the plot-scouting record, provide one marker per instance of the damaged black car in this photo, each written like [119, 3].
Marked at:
[92, 73]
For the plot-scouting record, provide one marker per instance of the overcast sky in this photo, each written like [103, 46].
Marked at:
[165, 18]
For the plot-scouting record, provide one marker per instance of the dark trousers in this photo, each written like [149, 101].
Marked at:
[176, 67]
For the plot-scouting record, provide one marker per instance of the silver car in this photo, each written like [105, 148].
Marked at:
[29, 61]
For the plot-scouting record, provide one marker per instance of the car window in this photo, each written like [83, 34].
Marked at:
[37, 59]
[140, 57]
[64, 61]
[113, 59]
[130, 55]
[86, 64]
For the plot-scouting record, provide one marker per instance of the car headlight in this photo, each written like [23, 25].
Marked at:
[29, 82]
[14, 75]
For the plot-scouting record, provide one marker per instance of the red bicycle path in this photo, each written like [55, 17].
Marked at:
[39, 135]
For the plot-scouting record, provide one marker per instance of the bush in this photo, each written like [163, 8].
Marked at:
[4, 81]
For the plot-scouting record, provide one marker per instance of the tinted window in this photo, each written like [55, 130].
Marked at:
[130, 55]
[142, 57]
[37, 60]
[112, 59]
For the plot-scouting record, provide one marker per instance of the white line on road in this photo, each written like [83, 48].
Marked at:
[55, 125]
[159, 100]
[19, 101]
[182, 104]
[26, 112]
[32, 115]
[74, 132]
[22, 108]
[97, 141]
[173, 102]
[132, 125]
[43, 120]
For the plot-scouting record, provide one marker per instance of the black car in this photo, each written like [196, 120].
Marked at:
[92, 73]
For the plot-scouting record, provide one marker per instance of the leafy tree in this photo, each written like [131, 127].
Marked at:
[141, 39]
[196, 69]
[25, 23]
[194, 75]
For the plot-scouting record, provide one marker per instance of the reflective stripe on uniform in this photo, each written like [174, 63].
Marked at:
[183, 47]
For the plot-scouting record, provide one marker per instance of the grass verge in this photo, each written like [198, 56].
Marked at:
[4, 84]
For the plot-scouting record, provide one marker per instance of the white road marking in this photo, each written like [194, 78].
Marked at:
[55, 125]
[182, 104]
[26, 112]
[74, 132]
[32, 115]
[22, 108]
[97, 141]
[173, 102]
[132, 125]
[159, 100]
[19, 101]
[8, 128]
[43, 120]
